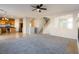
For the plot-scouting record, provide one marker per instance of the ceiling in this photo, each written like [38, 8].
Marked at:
[23, 10]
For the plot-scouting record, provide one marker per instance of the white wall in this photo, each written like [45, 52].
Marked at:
[25, 25]
[17, 24]
[27, 29]
[52, 29]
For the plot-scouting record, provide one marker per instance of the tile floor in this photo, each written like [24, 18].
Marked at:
[36, 44]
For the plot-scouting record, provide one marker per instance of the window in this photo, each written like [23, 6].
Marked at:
[66, 22]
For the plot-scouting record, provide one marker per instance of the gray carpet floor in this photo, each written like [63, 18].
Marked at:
[38, 44]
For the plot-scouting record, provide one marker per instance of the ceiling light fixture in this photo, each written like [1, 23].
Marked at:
[38, 8]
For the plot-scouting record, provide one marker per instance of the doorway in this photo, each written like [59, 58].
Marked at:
[21, 25]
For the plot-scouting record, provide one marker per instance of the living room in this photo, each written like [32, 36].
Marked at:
[47, 24]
